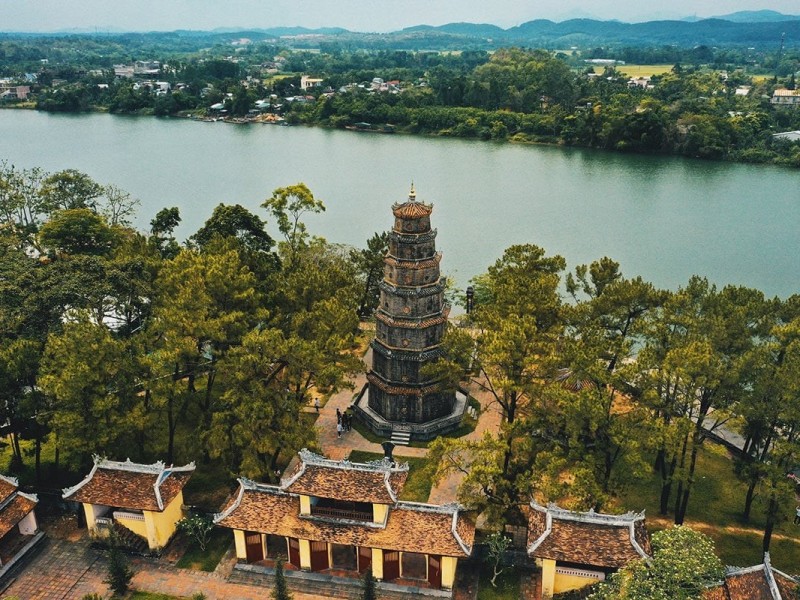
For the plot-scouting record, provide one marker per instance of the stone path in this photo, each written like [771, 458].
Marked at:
[63, 570]
[338, 448]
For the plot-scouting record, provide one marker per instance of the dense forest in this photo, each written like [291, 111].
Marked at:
[712, 103]
[126, 343]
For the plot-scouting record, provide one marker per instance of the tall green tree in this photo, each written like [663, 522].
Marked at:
[89, 377]
[369, 262]
[288, 204]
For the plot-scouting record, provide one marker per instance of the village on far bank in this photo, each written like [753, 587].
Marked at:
[486, 455]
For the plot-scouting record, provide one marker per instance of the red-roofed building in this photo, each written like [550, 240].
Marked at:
[761, 582]
[339, 516]
[576, 549]
[146, 499]
[18, 525]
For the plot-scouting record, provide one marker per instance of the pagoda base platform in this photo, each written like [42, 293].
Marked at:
[421, 432]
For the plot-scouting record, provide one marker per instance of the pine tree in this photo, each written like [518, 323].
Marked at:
[119, 573]
[281, 591]
[369, 591]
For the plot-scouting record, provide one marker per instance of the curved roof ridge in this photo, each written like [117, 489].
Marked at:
[378, 466]
[590, 516]
[10, 480]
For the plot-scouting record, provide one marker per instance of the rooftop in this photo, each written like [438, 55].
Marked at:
[410, 527]
[590, 538]
[412, 209]
[760, 582]
[377, 482]
[14, 505]
[130, 485]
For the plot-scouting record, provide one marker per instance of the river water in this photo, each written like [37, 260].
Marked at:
[663, 218]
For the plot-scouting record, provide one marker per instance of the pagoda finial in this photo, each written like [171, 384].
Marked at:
[412, 195]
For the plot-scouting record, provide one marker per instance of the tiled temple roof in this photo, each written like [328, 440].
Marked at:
[760, 582]
[14, 505]
[410, 527]
[412, 209]
[130, 485]
[414, 264]
[414, 324]
[406, 390]
[378, 482]
[608, 541]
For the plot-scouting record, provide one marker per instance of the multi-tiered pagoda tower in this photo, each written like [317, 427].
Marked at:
[411, 319]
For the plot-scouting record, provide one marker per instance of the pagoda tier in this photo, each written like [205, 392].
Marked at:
[410, 322]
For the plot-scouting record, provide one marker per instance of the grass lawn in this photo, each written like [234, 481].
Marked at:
[208, 559]
[715, 507]
[149, 596]
[507, 584]
[419, 483]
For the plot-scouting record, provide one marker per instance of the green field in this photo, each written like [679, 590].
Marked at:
[638, 70]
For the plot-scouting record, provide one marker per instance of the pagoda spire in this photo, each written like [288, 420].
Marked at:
[412, 195]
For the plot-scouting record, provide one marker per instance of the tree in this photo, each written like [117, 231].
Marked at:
[162, 227]
[89, 377]
[683, 565]
[119, 206]
[517, 321]
[69, 190]
[368, 586]
[198, 527]
[119, 571]
[287, 205]
[498, 544]
[77, 231]
[691, 366]
[281, 589]
[205, 304]
[369, 262]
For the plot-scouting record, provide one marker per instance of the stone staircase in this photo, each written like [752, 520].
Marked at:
[330, 586]
[401, 438]
[131, 542]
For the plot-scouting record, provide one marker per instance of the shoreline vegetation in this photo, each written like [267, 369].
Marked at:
[700, 102]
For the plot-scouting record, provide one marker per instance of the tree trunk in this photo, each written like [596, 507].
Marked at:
[679, 516]
[37, 452]
[666, 485]
[772, 509]
[748, 501]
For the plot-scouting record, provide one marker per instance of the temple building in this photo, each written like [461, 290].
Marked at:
[145, 501]
[410, 323]
[577, 549]
[342, 518]
[19, 530]
[760, 582]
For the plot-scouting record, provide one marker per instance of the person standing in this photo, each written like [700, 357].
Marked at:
[338, 416]
[339, 429]
[316, 404]
[797, 516]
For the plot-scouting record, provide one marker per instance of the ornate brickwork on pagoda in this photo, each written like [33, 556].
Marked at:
[410, 322]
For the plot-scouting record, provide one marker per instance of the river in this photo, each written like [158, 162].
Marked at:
[663, 218]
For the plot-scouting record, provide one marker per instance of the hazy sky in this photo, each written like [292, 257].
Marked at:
[357, 15]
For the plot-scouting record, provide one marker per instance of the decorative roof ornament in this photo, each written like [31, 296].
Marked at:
[412, 195]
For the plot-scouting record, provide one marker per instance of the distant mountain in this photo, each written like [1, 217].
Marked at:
[548, 33]
[757, 16]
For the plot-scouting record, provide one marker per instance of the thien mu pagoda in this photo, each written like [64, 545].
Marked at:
[410, 321]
